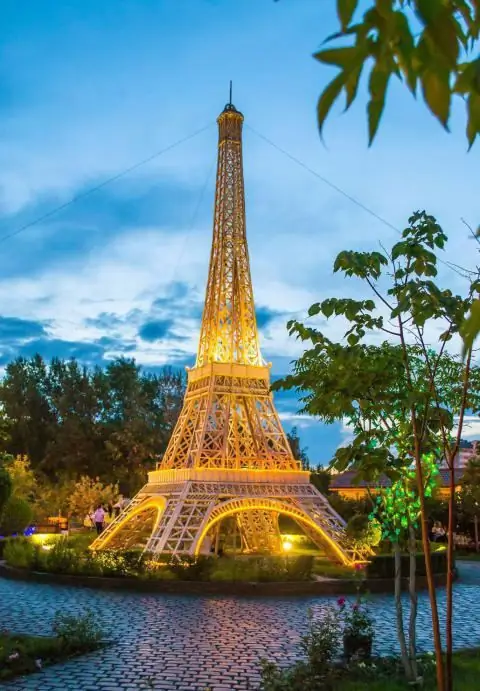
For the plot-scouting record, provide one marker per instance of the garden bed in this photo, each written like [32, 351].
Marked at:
[69, 561]
[333, 586]
[21, 654]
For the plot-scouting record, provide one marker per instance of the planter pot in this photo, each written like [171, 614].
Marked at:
[357, 646]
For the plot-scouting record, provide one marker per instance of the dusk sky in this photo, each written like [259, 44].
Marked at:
[89, 88]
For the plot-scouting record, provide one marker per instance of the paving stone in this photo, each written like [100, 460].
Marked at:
[172, 643]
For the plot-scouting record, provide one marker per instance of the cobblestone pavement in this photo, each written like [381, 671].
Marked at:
[172, 643]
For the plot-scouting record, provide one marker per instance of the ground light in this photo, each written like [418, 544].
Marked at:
[287, 545]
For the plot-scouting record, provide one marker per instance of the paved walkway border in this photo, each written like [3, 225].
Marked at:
[326, 586]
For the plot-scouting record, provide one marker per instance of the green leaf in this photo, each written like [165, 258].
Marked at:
[379, 77]
[473, 126]
[327, 99]
[337, 56]
[436, 92]
[471, 327]
[345, 11]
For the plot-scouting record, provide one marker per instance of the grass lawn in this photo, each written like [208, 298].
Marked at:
[25, 654]
[466, 677]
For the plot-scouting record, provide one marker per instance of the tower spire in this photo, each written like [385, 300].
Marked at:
[229, 329]
[230, 100]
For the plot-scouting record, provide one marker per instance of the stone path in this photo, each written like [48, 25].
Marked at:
[172, 643]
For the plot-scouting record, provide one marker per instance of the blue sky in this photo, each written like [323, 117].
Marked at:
[90, 87]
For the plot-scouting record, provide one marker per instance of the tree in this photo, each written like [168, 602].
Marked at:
[441, 57]
[87, 494]
[397, 511]
[470, 493]
[402, 394]
[321, 479]
[17, 515]
[299, 453]
[24, 482]
[71, 421]
[425, 43]
[5, 488]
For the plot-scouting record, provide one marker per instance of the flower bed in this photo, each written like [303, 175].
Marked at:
[70, 556]
[20, 654]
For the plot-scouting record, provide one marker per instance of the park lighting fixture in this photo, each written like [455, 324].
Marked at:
[287, 546]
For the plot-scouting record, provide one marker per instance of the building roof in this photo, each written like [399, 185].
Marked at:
[347, 480]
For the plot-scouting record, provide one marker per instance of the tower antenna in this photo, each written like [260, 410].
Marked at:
[230, 102]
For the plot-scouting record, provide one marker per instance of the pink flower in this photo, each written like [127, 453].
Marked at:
[359, 567]
[355, 607]
[341, 601]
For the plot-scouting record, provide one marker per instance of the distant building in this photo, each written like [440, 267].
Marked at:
[348, 487]
[467, 450]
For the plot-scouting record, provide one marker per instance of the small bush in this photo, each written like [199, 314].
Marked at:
[263, 569]
[78, 632]
[383, 566]
[320, 647]
[59, 559]
[17, 515]
[193, 569]
[19, 553]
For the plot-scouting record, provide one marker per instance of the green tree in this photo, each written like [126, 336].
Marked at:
[88, 493]
[71, 421]
[404, 391]
[299, 453]
[427, 44]
[470, 493]
[24, 482]
[321, 479]
[17, 516]
[431, 44]
[5, 488]
[24, 397]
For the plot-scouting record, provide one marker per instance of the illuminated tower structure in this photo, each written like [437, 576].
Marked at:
[228, 455]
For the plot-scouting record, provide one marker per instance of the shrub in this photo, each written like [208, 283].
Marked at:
[363, 531]
[263, 569]
[20, 553]
[5, 488]
[59, 559]
[193, 569]
[320, 646]
[17, 514]
[383, 566]
[78, 632]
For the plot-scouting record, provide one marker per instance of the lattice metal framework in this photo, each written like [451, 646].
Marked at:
[228, 454]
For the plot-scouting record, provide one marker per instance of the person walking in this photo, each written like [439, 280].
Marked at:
[99, 518]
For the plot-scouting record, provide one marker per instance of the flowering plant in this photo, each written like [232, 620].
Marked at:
[357, 622]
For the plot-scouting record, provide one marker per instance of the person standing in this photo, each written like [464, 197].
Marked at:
[99, 518]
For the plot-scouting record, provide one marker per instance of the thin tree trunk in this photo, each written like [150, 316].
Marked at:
[450, 566]
[412, 589]
[451, 525]
[437, 641]
[475, 525]
[399, 611]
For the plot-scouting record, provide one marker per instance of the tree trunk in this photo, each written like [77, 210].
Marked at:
[399, 611]
[437, 641]
[412, 589]
[475, 525]
[450, 567]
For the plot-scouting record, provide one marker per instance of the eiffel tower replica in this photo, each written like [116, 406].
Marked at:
[228, 455]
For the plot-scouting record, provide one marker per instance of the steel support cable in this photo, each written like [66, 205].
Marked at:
[345, 194]
[90, 191]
